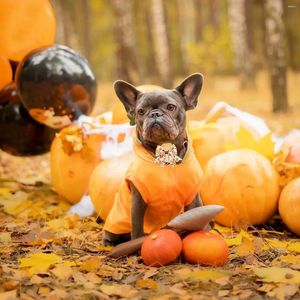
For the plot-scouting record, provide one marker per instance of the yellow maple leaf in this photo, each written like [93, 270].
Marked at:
[16, 203]
[201, 275]
[264, 146]
[277, 274]
[39, 262]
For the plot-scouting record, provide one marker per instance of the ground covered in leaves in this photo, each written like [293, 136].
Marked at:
[48, 254]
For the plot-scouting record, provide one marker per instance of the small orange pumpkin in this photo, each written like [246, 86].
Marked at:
[205, 248]
[161, 248]
[105, 181]
[289, 205]
[245, 183]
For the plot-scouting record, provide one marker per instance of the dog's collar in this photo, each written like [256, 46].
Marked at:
[182, 150]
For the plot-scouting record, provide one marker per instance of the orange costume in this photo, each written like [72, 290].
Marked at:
[165, 190]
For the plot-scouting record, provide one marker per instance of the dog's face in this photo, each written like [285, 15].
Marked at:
[160, 115]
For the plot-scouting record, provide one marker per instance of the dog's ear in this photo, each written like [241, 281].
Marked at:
[190, 89]
[128, 94]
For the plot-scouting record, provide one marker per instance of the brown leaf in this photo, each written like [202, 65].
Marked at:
[62, 272]
[123, 290]
[11, 295]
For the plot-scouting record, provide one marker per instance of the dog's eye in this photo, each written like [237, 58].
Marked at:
[141, 111]
[171, 107]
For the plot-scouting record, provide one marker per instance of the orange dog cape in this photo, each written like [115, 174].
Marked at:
[165, 190]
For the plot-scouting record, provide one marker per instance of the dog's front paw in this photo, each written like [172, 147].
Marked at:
[110, 239]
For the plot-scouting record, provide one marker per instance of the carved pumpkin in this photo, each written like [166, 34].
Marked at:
[77, 150]
[210, 139]
[245, 183]
[105, 181]
[73, 158]
[205, 248]
[161, 248]
[289, 205]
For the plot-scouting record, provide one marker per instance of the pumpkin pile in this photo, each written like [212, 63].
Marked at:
[164, 246]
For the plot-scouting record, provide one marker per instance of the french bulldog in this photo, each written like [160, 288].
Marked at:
[160, 118]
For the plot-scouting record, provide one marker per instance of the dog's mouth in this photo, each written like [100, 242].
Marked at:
[158, 131]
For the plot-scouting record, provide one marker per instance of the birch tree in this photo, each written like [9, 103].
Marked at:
[275, 49]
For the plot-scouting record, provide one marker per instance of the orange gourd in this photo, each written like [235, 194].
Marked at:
[245, 183]
[210, 139]
[105, 181]
[161, 248]
[205, 248]
[289, 205]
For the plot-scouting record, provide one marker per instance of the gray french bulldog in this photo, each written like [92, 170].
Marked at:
[160, 117]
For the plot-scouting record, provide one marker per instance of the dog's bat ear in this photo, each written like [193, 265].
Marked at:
[190, 89]
[128, 94]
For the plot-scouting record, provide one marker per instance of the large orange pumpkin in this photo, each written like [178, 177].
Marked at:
[161, 248]
[210, 139]
[205, 248]
[245, 183]
[289, 205]
[105, 181]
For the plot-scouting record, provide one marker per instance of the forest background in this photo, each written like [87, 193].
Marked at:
[248, 50]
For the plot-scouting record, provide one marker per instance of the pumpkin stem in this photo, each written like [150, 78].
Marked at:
[153, 236]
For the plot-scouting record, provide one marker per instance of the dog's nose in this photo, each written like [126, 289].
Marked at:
[155, 114]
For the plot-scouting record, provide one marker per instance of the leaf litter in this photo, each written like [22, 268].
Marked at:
[47, 254]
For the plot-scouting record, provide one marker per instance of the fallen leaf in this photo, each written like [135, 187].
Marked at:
[124, 290]
[146, 284]
[39, 262]
[5, 238]
[245, 248]
[283, 291]
[277, 274]
[62, 272]
[94, 278]
[201, 275]
[16, 203]
[92, 264]
[11, 295]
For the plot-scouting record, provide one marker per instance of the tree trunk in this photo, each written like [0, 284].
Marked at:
[199, 22]
[275, 47]
[161, 43]
[242, 54]
[128, 67]
[214, 13]
[186, 16]
[87, 28]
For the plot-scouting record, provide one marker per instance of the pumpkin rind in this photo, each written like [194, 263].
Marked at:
[245, 183]
[289, 205]
[205, 248]
[161, 248]
[105, 181]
